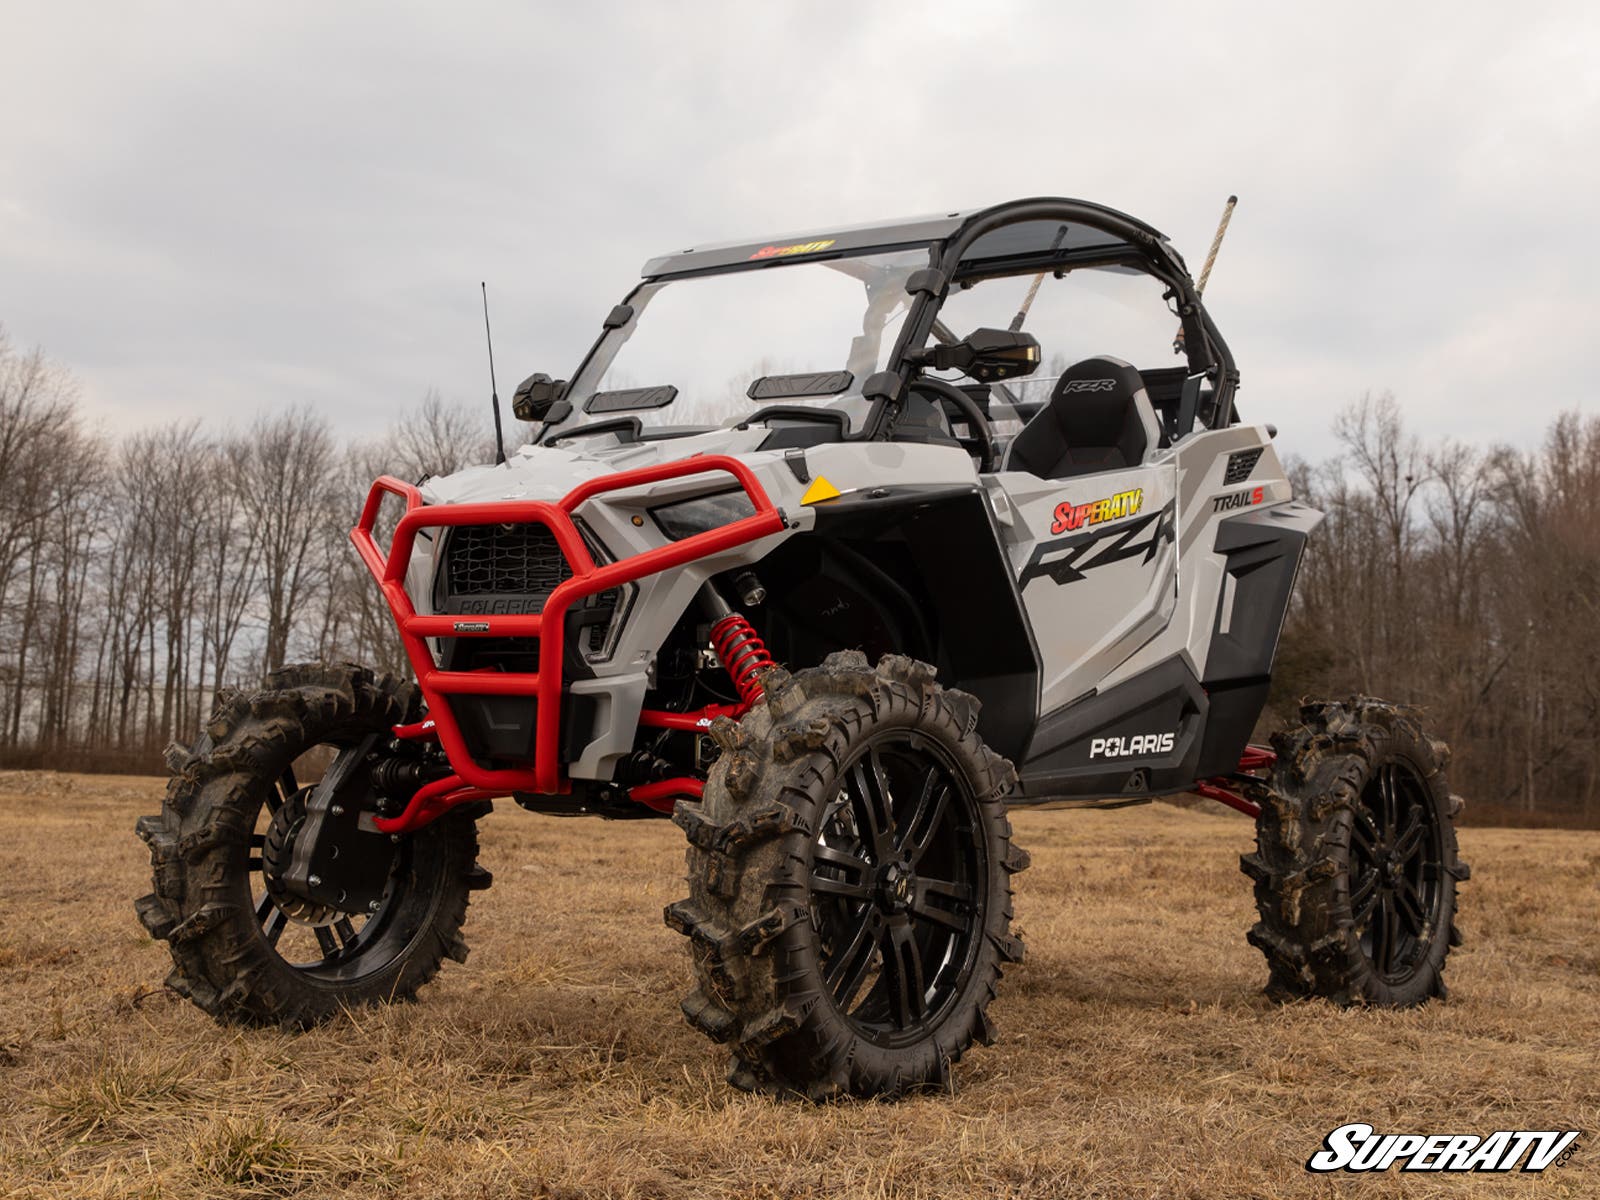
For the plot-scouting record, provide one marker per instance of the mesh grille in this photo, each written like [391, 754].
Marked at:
[1240, 464]
[504, 560]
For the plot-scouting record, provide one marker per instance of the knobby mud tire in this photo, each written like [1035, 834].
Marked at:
[200, 847]
[756, 952]
[1314, 872]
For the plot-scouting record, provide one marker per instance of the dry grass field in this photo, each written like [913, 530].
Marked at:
[1137, 1057]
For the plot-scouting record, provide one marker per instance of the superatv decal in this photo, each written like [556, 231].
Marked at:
[1070, 516]
[1238, 500]
[785, 251]
[1130, 747]
[1070, 557]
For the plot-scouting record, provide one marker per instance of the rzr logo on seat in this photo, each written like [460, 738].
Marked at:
[1090, 385]
[1130, 747]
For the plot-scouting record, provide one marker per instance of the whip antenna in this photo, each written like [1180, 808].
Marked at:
[1211, 261]
[494, 390]
[1033, 288]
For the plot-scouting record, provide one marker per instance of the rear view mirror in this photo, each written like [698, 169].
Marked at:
[535, 395]
[987, 355]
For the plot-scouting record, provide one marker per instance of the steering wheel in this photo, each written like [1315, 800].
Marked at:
[980, 439]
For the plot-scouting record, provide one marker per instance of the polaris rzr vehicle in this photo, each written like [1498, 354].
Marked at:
[834, 548]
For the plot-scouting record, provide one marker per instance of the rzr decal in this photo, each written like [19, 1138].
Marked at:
[1095, 548]
[1089, 385]
[785, 251]
[1238, 500]
[1070, 516]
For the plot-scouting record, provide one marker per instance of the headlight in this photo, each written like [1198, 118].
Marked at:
[688, 517]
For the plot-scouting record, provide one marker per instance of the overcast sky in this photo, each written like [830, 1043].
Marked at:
[213, 209]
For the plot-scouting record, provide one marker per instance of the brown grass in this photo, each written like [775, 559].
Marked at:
[1137, 1057]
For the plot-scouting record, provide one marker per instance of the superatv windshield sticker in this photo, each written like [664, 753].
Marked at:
[1238, 500]
[798, 248]
[1066, 559]
[1071, 516]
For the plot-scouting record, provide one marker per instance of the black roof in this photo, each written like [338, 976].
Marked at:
[1096, 228]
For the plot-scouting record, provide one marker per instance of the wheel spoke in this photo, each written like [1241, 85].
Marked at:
[258, 841]
[1386, 791]
[826, 885]
[325, 939]
[874, 807]
[277, 922]
[1410, 840]
[1386, 935]
[264, 909]
[346, 932]
[923, 908]
[902, 968]
[843, 859]
[1362, 899]
[287, 787]
[1363, 836]
[1410, 907]
[254, 862]
[927, 816]
[951, 891]
[850, 966]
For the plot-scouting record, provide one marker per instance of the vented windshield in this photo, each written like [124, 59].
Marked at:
[800, 332]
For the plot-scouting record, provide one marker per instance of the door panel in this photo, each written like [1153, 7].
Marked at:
[1096, 563]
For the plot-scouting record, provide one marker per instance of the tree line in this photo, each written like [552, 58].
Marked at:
[140, 574]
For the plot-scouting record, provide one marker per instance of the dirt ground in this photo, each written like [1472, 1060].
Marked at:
[1137, 1057]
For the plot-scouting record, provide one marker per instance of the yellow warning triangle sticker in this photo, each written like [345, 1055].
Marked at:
[819, 490]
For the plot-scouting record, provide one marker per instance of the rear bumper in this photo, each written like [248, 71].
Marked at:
[542, 690]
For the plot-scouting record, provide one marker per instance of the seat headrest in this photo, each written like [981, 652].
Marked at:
[1095, 396]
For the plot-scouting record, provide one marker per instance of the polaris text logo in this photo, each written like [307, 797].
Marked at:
[1129, 747]
[1090, 385]
[500, 606]
[1359, 1147]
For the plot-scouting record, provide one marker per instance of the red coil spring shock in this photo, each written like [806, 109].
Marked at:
[742, 653]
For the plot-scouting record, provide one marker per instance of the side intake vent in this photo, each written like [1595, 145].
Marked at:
[1240, 464]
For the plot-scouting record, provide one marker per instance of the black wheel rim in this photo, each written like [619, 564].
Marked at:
[334, 946]
[898, 888]
[1396, 871]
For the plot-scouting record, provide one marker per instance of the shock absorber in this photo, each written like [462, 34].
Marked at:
[739, 647]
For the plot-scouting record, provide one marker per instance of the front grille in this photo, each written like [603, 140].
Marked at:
[511, 569]
[504, 560]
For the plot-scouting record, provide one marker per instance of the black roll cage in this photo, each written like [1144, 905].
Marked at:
[1141, 247]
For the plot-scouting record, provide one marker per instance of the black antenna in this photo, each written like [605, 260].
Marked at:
[494, 390]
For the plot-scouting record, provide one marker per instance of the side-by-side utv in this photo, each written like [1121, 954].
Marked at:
[834, 548]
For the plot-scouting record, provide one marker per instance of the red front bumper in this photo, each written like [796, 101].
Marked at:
[471, 781]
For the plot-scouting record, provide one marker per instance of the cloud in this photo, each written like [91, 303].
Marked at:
[210, 211]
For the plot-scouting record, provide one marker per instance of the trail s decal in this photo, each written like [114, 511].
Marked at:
[1070, 557]
[1238, 500]
[1071, 516]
